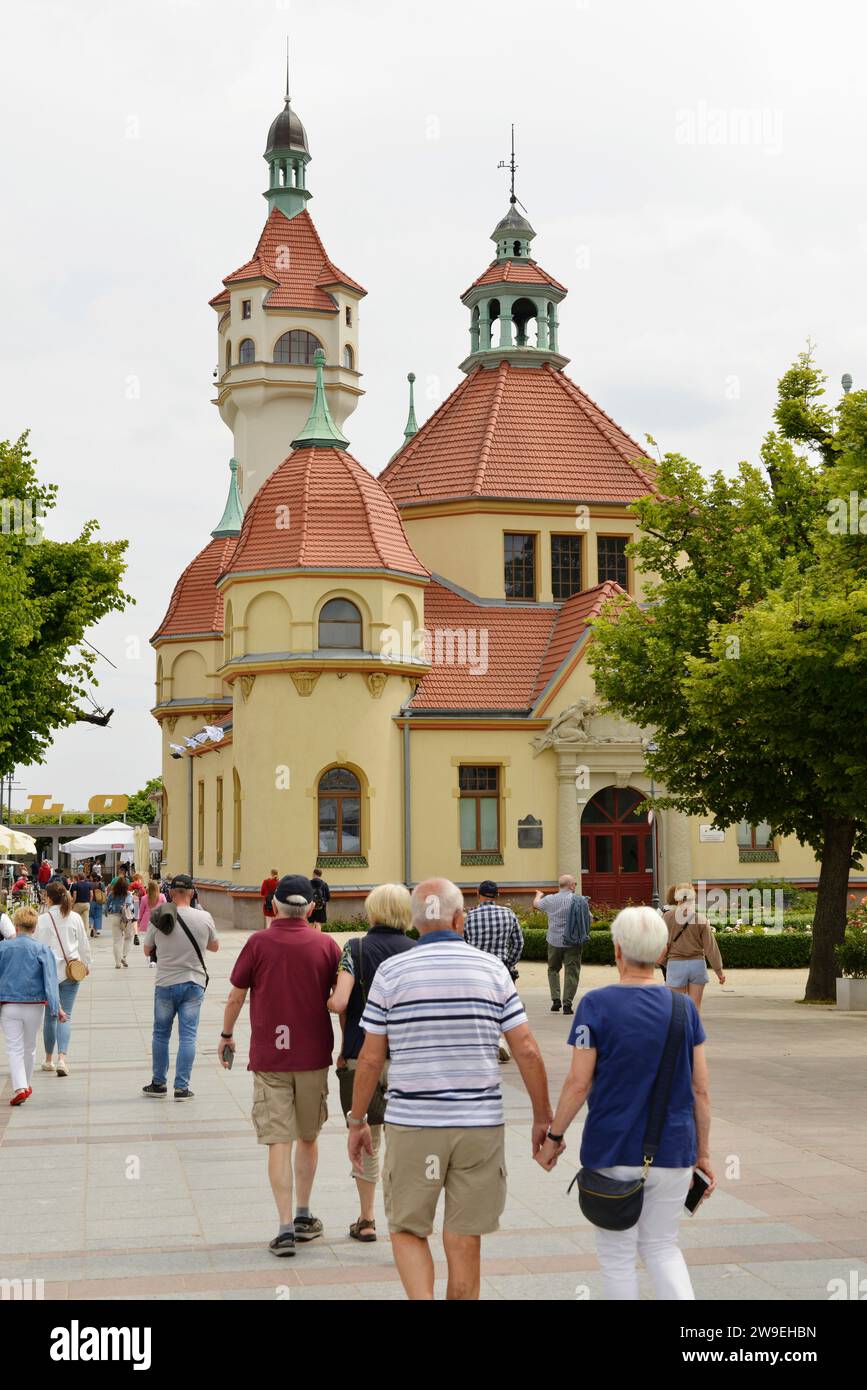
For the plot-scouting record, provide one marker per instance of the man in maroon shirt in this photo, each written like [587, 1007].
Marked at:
[290, 971]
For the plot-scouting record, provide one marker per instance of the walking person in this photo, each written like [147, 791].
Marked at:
[43, 873]
[180, 934]
[82, 896]
[97, 905]
[154, 897]
[388, 910]
[266, 893]
[558, 907]
[438, 1012]
[691, 942]
[28, 986]
[120, 916]
[61, 929]
[495, 929]
[289, 972]
[619, 1035]
[322, 897]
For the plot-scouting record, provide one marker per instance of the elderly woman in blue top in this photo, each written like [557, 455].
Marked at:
[28, 984]
[618, 1036]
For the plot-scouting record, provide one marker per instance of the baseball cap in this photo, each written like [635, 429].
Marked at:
[488, 889]
[182, 881]
[294, 888]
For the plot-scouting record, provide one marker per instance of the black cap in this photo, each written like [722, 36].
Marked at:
[294, 888]
[488, 889]
[182, 881]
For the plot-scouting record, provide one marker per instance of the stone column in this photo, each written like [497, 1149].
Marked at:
[506, 322]
[568, 819]
[678, 855]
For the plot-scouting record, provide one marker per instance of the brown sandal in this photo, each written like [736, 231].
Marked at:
[363, 1230]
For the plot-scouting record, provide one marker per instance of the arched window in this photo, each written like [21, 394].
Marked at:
[247, 352]
[228, 355]
[348, 357]
[296, 348]
[524, 314]
[340, 625]
[339, 812]
[516, 248]
[236, 818]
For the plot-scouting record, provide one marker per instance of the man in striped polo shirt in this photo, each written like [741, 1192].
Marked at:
[438, 1013]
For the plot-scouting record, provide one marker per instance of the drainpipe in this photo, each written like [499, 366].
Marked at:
[190, 814]
[407, 812]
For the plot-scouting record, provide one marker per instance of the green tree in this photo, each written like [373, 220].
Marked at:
[50, 593]
[141, 810]
[750, 664]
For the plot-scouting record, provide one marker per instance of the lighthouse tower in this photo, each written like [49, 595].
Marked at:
[275, 312]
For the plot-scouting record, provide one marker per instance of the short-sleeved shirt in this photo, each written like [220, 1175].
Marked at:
[628, 1025]
[289, 969]
[177, 962]
[82, 891]
[556, 908]
[443, 1007]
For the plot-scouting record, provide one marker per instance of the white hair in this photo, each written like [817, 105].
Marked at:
[298, 909]
[435, 902]
[641, 935]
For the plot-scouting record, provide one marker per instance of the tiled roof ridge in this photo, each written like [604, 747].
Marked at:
[361, 489]
[405, 453]
[615, 436]
[327, 263]
[226, 546]
[493, 417]
[305, 506]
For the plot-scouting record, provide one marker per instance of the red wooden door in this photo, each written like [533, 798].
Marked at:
[616, 848]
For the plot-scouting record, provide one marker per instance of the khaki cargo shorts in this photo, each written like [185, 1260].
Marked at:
[289, 1105]
[470, 1164]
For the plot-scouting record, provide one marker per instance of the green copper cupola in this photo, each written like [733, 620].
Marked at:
[411, 422]
[232, 520]
[287, 156]
[320, 432]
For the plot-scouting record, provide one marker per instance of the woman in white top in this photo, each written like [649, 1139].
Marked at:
[65, 935]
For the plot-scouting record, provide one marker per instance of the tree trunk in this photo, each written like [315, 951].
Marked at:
[829, 924]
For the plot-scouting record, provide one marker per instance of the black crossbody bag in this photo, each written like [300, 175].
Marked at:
[615, 1203]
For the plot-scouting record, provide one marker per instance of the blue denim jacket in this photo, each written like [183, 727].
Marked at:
[28, 973]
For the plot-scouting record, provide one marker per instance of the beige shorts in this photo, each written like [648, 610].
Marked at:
[289, 1105]
[470, 1164]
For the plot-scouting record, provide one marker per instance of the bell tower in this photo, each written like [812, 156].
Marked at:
[276, 312]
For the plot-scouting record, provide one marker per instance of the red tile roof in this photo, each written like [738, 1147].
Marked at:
[196, 606]
[322, 509]
[290, 254]
[515, 273]
[516, 431]
[510, 651]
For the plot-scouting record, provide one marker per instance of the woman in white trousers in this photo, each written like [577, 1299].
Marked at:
[120, 917]
[28, 985]
[618, 1037]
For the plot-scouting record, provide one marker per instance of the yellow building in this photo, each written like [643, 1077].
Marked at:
[386, 676]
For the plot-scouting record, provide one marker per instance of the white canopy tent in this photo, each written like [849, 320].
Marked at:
[116, 837]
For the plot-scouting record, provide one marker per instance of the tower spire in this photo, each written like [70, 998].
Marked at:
[320, 432]
[411, 422]
[287, 155]
[231, 521]
[512, 166]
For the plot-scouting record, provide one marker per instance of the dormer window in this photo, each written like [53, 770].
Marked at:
[246, 308]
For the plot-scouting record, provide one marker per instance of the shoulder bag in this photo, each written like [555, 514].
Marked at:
[346, 1077]
[195, 945]
[663, 965]
[614, 1203]
[75, 969]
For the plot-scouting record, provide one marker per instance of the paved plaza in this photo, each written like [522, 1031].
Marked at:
[111, 1196]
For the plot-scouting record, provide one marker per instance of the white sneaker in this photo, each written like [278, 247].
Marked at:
[62, 1069]
[48, 1066]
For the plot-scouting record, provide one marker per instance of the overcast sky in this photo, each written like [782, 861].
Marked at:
[694, 171]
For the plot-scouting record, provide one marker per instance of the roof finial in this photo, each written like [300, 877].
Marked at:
[411, 423]
[232, 520]
[287, 98]
[512, 166]
[320, 432]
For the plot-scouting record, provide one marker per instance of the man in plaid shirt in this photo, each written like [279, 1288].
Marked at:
[497, 931]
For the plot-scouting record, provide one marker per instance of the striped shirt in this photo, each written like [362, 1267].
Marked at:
[443, 1008]
[556, 908]
[496, 930]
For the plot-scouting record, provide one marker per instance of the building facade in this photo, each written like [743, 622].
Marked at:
[386, 676]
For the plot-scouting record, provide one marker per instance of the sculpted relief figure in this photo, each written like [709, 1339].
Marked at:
[571, 726]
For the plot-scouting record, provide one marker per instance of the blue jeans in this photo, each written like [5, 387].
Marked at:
[96, 917]
[54, 1033]
[186, 1001]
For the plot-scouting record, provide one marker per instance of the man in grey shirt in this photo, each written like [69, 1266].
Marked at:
[560, 956]
[180, 982]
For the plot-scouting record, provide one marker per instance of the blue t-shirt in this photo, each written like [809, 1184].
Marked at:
[628, 1025]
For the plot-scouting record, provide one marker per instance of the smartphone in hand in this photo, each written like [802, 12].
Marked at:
[228, 1055]
[699, 1186]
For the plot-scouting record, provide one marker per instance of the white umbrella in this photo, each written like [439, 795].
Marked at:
[117, 835]
[14, 842]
